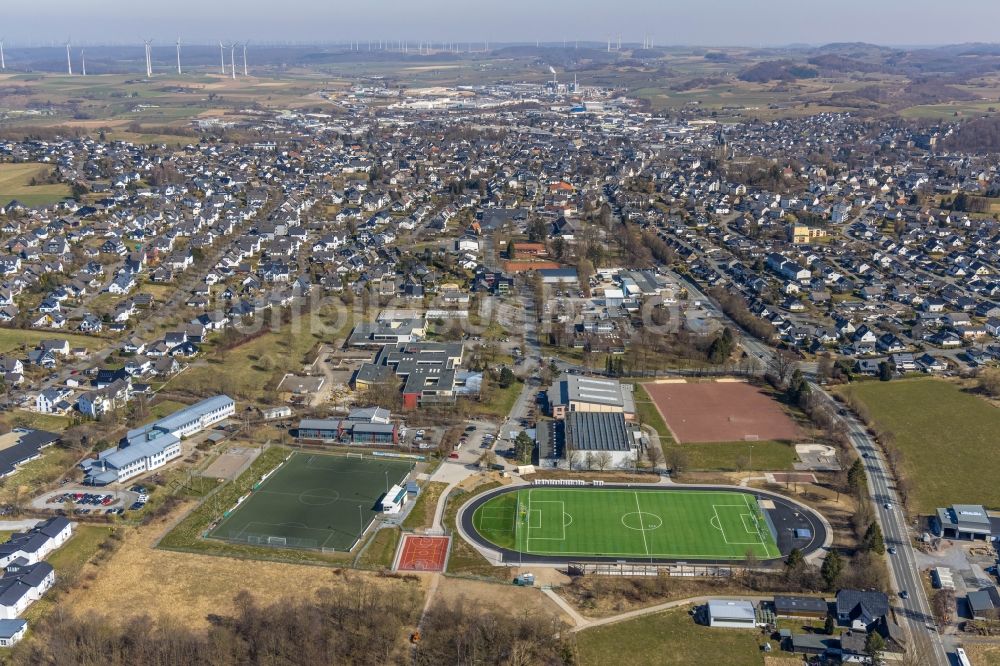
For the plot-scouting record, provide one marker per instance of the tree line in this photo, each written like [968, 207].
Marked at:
[357, 623]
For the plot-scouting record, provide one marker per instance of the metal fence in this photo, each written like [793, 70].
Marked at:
[651, 569]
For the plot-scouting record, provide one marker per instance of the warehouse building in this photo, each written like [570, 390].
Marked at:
[964, 521]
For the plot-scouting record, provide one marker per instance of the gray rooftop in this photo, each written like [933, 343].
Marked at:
[598, 431]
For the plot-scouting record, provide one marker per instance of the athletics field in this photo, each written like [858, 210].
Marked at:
[628, 523]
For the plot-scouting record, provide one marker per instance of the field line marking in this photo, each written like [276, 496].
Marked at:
[641, 527]
[517, 520]
[725, 537]
[753, 515]
[562, 518]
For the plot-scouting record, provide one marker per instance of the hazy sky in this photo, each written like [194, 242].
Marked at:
[708, 22]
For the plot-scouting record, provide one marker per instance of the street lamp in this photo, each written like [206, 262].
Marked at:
[361, 522]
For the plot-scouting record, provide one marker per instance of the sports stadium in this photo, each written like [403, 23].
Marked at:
[547, 524]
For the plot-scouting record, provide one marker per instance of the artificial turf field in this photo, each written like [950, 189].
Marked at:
[663, 524]
[311, 501]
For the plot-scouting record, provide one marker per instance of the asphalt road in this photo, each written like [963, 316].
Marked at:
[913, 612]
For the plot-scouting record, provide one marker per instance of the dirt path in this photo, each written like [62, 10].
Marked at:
[579, 621]
[431, 591]
[582, 622]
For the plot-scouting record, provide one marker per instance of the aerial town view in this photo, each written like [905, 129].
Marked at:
[515, 334]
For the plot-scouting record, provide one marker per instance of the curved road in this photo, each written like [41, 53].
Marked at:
[915, 612]
[789, 513]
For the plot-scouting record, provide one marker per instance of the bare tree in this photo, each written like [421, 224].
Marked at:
[654, 455]
[602, 460]
[783, 364]
[573, 457]
[677, 460]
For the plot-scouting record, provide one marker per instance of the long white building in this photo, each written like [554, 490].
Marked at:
[154, 445]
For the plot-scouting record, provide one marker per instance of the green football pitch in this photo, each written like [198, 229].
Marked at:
[663, 524]
[313, 501]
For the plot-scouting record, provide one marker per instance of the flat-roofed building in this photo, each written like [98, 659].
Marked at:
[964, 521]
[598, 440]
[732, 613]
[576, 393]
[796, 606]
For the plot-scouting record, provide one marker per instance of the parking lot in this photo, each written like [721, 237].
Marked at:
[88, 501]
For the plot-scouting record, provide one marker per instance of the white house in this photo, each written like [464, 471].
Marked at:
[22, 585]
[53, 401]
[36, 544]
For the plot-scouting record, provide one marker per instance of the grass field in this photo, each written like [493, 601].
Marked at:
[668, 639]
[649, 415]
[945, 435]
[34, 475]
[381, 549]
[422, 513]
[691, 524]
[15, 183]
[737, 456]
[313, 501]
[188, 588]
[248, 370]
[13, 338]
[69, 560]
[50, 422]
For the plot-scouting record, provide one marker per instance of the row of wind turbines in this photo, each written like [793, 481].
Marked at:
[148, 43]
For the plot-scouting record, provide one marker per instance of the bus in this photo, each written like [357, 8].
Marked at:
[963, 660]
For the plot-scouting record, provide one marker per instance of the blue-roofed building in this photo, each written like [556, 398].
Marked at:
[12, 631]
[154, 445]
[22, 584]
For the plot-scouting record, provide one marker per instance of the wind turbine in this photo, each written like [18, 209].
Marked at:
[69, 62]
[178, 56]
[232, 58]
[83, 62]
[3, 63]
[245, 59]
[149, 60]
[222, 55]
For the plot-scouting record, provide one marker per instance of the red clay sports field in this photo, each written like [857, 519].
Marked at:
[720, 412]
